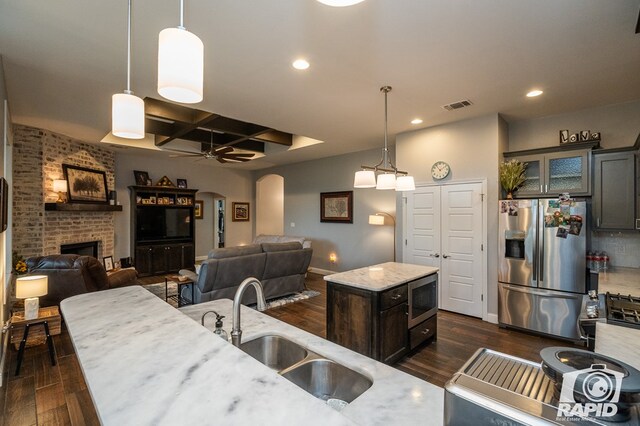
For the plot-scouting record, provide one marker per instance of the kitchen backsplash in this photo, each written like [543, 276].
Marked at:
[623, 248]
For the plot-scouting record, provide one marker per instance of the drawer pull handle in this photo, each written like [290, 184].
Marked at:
[396, 296]
[425, 331]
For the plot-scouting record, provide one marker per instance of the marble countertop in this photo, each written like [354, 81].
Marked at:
[621, 343]
[147, 363]
[620, 280]
[382, 276]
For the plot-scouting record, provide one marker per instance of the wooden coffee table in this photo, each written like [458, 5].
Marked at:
[181, 301]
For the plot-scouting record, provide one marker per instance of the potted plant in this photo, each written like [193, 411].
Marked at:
[512, 176]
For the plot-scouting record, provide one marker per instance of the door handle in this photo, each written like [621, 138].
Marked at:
[445, 256]
[598, 222]
[637, 223]
[396, 296]
[546, 187]
[434, 255]
[425, 331]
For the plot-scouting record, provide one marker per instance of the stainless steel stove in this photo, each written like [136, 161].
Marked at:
[623, 310]
[617, 309]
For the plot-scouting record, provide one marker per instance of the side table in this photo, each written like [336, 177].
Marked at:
[48, 318]
[181, 283]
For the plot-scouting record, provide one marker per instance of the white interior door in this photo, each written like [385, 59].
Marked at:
[423, 227]
[461, 244]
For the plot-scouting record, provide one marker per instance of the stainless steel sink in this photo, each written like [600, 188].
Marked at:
[323, 378]
[327, 380]
[275, 352]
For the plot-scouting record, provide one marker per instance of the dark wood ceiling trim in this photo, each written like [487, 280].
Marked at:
[184, 129]
[276, 136]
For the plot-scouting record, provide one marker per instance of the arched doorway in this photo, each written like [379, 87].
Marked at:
[210, 230]
[270, 205]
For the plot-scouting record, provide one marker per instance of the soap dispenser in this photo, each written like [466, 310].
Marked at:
[219, 331]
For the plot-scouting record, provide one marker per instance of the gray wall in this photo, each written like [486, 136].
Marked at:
[235, 185]
[619, 126]
[472, 149]
[356, 245]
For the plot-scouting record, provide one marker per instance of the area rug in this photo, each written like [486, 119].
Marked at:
[158, 290]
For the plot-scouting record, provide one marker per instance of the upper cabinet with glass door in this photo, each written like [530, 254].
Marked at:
[553, 173]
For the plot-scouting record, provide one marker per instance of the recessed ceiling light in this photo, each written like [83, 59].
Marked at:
[534, 93]
[416, 121]
[300, 64]
[340, 3]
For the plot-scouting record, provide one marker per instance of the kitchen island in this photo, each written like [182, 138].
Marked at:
[145, 362]
[383, 311]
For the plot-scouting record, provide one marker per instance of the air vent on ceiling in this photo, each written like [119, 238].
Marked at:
[457, 105]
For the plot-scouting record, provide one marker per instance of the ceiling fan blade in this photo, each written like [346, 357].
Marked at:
[235, 159]
[238, 155]
[184, 155]
[223, 150]
[221, 160]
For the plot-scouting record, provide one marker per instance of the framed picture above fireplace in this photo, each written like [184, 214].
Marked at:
[85, 185]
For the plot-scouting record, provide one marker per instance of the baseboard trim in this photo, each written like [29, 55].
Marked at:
[492, 318]
[321, 271]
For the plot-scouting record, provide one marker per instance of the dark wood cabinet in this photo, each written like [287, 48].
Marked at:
[162, 229]
[614, 190]
[373, 323]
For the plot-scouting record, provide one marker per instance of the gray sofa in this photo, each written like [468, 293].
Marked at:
[281, 267]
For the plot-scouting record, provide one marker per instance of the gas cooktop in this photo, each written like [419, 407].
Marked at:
[623, 310]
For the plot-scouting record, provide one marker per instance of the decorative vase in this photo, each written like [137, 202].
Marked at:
[509, 195]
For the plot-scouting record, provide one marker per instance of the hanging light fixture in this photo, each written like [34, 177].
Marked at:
[340, 3]
[391, 177]
[180, 64]
[127, 110]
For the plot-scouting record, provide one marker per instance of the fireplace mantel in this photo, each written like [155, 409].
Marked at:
[81, 207]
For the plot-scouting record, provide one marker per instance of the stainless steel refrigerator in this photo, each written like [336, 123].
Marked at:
[542, 265]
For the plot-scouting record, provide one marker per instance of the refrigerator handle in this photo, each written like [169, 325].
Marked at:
[535, 247]
[541, 230]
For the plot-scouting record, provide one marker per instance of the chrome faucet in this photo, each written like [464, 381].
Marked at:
[236, 332]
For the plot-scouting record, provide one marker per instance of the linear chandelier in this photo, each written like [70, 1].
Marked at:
[180, 64]
[391, 177]
[127, 110]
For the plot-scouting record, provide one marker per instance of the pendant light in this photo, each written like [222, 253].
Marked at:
[391, 177]
[340, 3]
[127, 110]
[180, 64]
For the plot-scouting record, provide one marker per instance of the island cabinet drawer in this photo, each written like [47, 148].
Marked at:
[393, 297]
[422, 332]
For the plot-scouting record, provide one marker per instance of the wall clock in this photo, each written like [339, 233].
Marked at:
[440, 170]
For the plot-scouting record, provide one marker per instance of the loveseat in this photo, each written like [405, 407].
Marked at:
[71, 274]
[281, 267]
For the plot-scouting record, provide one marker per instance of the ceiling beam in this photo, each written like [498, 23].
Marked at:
[276, 136]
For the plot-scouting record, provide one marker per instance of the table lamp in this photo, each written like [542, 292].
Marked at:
[60, 186]
[30, 288]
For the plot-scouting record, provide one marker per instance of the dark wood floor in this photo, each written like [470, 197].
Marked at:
[46, 395]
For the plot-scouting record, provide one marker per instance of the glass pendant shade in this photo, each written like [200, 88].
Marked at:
[386, 181]
[180, 66]
[364, 179]
[127, 116]
[405, 183]
[340, 3]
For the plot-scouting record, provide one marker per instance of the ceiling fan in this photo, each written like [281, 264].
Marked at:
[223, 154]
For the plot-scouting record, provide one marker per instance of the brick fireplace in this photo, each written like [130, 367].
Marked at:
[38, 156]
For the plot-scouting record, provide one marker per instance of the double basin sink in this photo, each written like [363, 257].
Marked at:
[321, 377]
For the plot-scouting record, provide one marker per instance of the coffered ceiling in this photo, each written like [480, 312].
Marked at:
[64, 59]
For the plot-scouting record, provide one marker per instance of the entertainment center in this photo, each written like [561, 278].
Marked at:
[162, 229]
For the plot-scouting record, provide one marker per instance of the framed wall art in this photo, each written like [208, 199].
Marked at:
[198, 210]
[336, 207]
[240, 212]
[85, 185]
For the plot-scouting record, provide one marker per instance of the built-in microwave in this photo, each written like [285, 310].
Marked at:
[423, 299]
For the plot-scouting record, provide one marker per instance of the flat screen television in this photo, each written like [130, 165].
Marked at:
[163, 223]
